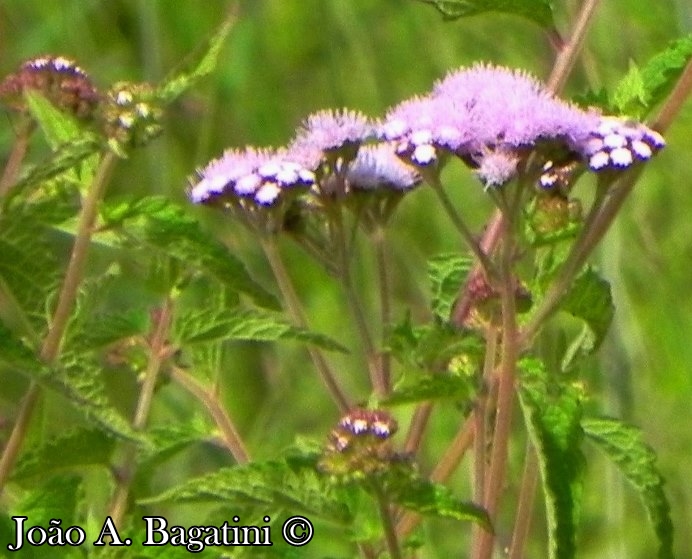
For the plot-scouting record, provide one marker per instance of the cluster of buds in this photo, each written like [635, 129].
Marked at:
[131, 114]
[359, 445]
[485, 307]
[57, 78]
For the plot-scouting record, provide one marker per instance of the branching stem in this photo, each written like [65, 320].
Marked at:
[50, 347]
[229, 432]
[295, 311]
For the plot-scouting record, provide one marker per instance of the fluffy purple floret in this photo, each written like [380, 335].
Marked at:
[377, 166]
[330, 130]
[258, 174]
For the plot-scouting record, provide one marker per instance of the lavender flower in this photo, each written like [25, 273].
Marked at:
[422, 126]
[377, 166]
[617, 143]
[497, 167]
[259, 175]
[329, 131]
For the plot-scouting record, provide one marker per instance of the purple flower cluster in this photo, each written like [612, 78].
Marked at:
[618, 143]
[259, 175]
[491, 117]
[324, 139]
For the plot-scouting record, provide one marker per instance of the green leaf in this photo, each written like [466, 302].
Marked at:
[590, 300]
[538, 11]
[433, 388]
[182, 81]
[79, 380]
[624, 445]
[446, 272]
[56, 497]
[431, 347]
[262, 486]
[158, 224]
[72, 449]
[432, 499]
[168, 440]
[643, 88]
[77, 154]
[552, 414]
[59, 127]
[207, 325]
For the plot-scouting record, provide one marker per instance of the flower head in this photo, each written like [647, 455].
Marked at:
[329, 131]
[378, 167]
[58, 78]
[511, 108]
[260, 176]
[617, 143]
[496, 167]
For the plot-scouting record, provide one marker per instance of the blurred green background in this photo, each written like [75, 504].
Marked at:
[286, 59]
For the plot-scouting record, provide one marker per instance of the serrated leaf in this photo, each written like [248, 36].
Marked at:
[78, 154]
[446, 272]
[590, 300]
[538, 11]
[70, 450]
[624, 445]
[79, 380]
[56, 497]
[630, 96]
[433, 388]
[642, 89]
[432, 499]
[167, 228]
[168, 440]
[207, 325]
[58, 127]
[552, 414]
[430, 347]
[263, 486]
[173, 87]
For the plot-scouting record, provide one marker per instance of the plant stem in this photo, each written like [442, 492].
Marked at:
[379, 240]
[567, 56]
[527, 495]
[390, 533]
[50, 347]
[445, 467]
[480, 423]
[295, 311]
[417, 427]
[377, 379]
[507, 372]
[157, 356]
[14, 161]
[229, 433]
[482, 258]
[671, 107]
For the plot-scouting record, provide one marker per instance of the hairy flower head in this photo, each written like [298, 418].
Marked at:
[377, 167]
[260, 176]
[58, 78]
[333, 131]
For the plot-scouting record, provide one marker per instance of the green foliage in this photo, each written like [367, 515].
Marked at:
[161, 226]
[538, 11]
[623, 444]
[432, 499]
[213, 324]
[262, 486]
[180, 82]
[589, 299]
[431, 347]
[69, 451]
[446, 272]
[450, 386]
[644, 88]
[552, 414]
